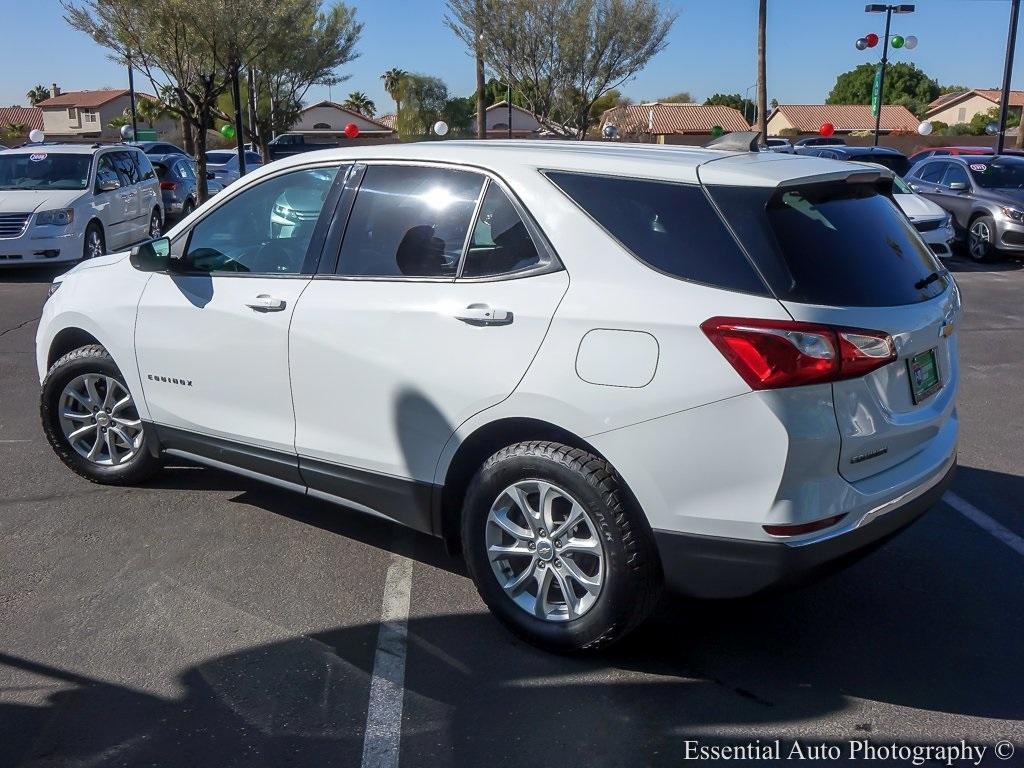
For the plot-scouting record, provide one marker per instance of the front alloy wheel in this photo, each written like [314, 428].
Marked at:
[99, 420]
[980, 239]
[154, 225]
[545, 551]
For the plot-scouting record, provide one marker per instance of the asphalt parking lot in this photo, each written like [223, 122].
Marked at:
[206, 620]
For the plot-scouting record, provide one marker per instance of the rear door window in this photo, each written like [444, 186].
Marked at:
[501, 243]
[668, 226]
[834, 244]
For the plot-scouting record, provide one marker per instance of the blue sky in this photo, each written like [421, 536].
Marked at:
[711, 48]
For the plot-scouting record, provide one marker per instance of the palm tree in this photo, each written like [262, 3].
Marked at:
[358, 101]
[18, 129]
[38, 94]
[762, 85]
[151, 110]
[393, 85]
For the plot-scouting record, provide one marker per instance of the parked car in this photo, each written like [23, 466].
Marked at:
[288, 144]
[179, 184]
[223, 163]
[985, 195]
[892, 159]
[714, 416]
[63, 202]
[775, 144]
[820, 141]
[933, 222]
[955, 151]
[158, 148]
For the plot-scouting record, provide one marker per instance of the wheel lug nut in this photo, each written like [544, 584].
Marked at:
[558, 543]
[543, 532]
[532, 546]
[541, 565]
[558, 563]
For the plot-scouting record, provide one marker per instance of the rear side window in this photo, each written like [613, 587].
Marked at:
[501, 243]
[144, 167]
[409, 221]
[895, 163]
[835, 244]
[670, 227]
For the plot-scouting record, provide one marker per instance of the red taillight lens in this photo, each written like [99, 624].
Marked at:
[168, 185]
[769, 354]
[795, 529]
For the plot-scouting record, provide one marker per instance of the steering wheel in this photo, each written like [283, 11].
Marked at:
[273, 257]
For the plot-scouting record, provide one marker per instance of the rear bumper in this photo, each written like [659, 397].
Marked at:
[717, 567]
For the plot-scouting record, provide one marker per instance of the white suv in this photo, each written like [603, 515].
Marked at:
[599, 369]
[64, 202]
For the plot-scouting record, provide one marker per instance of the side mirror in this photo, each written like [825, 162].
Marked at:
[957, 186]
[211, 175]
[152, 256]
[109, 185]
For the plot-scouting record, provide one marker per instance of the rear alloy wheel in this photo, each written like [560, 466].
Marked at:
[556, 547]
[94, 246]
[90, 419]
[981, 238]
[155, 225]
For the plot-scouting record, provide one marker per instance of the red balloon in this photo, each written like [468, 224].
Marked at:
[827, 129]
[872, 39]
[351, 130]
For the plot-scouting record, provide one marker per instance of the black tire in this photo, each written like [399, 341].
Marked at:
[156, 224]
[978, 249]
[632, 579]
[89, 359]
[91, 246]
[187, 207]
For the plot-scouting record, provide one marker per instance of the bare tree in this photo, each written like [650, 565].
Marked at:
[563, 55]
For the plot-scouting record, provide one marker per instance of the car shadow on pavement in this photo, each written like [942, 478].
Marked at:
[962, 263]
[41, 275]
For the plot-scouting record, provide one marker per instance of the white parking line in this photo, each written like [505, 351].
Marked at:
[383, 735]
[979, 518]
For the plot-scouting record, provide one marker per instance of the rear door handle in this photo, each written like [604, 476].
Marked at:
[266, 303]
[484, 314]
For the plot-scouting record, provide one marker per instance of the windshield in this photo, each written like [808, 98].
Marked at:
[44, 170]
[219, 158]
[1002, 172]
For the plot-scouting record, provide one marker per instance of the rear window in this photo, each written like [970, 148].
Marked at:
[219, 158]
[895, 163]
[836, 244]
[670, 227]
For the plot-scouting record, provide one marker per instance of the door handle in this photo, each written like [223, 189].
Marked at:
[484, 314]
[266, 303]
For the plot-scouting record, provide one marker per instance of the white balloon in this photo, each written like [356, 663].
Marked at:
[440, 127]
[36, 136]
[127, 133]
[910, 42]
[925, 128]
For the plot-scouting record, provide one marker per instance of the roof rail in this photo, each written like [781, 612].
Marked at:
[736, 141]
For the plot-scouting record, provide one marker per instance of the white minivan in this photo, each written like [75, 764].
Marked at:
[65, 202]
[599, 369]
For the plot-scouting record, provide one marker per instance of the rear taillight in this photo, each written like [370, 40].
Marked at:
[168, 185]
[769, 354]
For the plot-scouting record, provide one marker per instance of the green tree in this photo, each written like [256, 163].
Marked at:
[683, 97]
[458, 113]
[393, 80]
[746, 107]
[563, 55]
[38, 94]
[151, 111]
[610, 100]
[359, 102]
[944, 89]
[902, 81]
[496, 91]
[981, 120]
[423, 103]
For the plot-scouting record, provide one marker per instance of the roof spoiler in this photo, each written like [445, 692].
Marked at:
[737, 141]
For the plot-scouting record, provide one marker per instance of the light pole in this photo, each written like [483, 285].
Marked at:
[131, 97]
[746, 101]
[889, 10]
[1004, 99]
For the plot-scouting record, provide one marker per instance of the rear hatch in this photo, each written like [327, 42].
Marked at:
[840, 252]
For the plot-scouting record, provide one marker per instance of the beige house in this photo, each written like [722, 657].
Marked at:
[953, 108]
[524, 124]
[325, 122]
[85, 115]
[844, 118]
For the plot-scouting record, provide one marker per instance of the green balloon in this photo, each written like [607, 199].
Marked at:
[227, 131]
[717, 131]
[898, 41]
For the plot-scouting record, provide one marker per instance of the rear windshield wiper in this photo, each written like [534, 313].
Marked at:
[924, 282]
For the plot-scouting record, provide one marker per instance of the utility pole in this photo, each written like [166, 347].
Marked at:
[481, 84]
[237, 98]
[881, 75]
[251, 88]
[508, 100]
[131, 98]
[1004, 99]
[762, 85]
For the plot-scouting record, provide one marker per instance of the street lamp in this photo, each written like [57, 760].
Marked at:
[888, 10]
[1004, 98]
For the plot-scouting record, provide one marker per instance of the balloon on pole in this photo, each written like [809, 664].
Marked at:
[127, 133]
[861, 44]
[717, 130]
[227, 131]
[871, 39]
[36, 136]
[826, 129]
[925, 128]
[351, 130]
[440, 127]
[910, 43]
[898, 41]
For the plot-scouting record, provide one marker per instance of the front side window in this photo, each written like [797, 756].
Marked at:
[264, 230]
[124, 162]
[106, 172]
[955, 173]
[501, 243]
[668, 226]
[44, 170]
[409, 221]
[932, 172]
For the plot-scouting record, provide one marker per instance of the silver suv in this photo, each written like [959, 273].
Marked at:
[984, 194]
